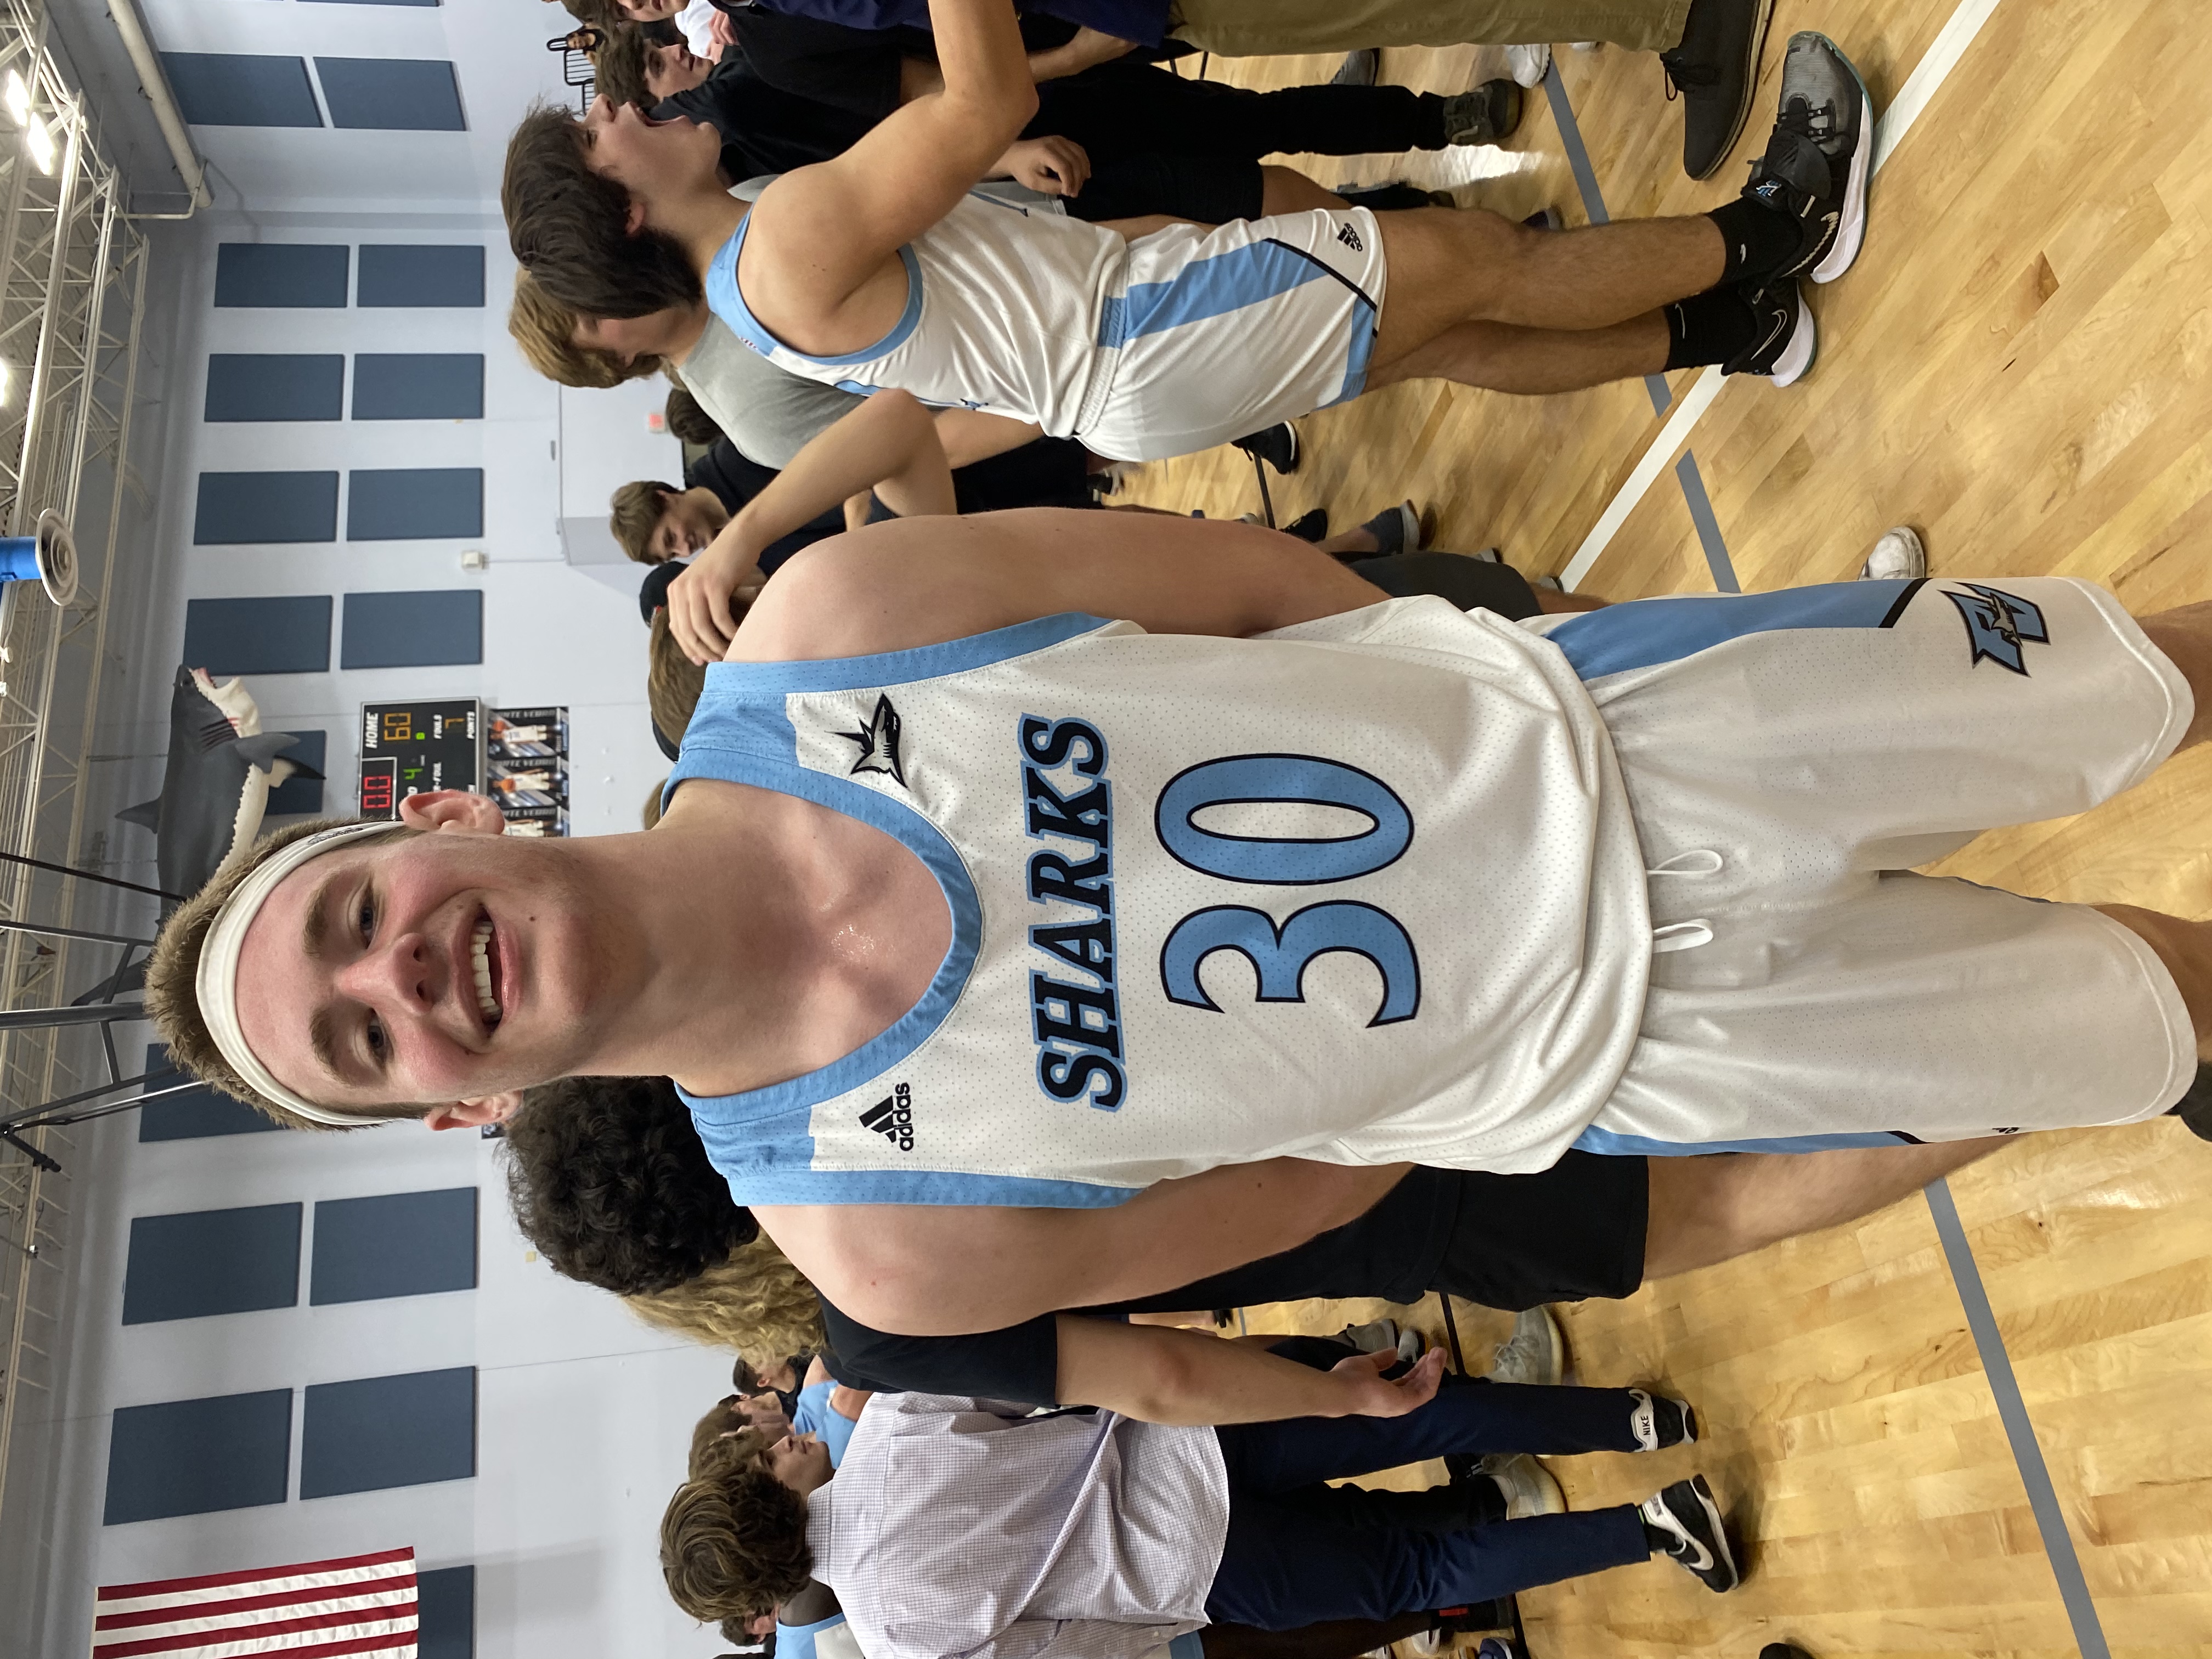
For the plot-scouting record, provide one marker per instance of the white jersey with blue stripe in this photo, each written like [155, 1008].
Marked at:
[1360, 890]
[1003, 308]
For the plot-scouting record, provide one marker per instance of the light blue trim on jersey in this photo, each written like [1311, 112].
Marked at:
[1188, 1645]
[1607, 1144]
[1248, 276]
[815, 1416]
[1359, 351]
[797, 1641]
[724, 300]
[1645, 632]
[762, 1140]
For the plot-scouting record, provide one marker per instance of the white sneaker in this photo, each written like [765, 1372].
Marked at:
[1529, 1486]
[1527, 65]
[1897, 557]
[1534, 1354]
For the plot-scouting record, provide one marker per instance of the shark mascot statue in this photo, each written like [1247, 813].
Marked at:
[221, 767]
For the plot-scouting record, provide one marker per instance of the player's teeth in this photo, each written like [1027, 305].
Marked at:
[480, 961]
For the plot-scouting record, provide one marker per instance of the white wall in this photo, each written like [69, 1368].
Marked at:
[583, 1414]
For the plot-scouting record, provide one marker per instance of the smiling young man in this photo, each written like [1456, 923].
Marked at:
[882, 267]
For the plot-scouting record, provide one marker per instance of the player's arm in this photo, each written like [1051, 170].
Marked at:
[970, 436]
[894, 587]
[946, 1270]
[889, 445]
[820, 233]
[1167, 1376]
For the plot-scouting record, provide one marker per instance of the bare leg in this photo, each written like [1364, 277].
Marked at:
[1450, 266]
[2185, 948]
[1532, 360]
[1553, 602]
[1286, 190]
[1706, 1210]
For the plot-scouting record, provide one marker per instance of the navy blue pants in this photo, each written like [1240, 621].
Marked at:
[1300, 1551]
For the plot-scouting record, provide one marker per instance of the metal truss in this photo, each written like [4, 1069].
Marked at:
[72, 298]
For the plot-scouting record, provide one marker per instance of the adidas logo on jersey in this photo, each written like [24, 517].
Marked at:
[892, 1117]
[1349, 238]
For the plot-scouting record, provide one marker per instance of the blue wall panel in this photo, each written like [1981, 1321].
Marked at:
[422, 274]
[196, 1116]
[236, 89]
[293, 275]
[196, 1456]
[428, 629]
[212, 1261]
[414, 503]
[380, 1431]
[446, 1613]
[418, 386]
[253, 508]
[272, 386]
[288, 636]
[297, 795]
[415, 94]
[395, 1244]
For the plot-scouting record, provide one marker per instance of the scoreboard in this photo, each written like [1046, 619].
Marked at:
[412, 748]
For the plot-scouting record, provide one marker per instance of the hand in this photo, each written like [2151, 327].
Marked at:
[701, 612]
[1374, 1397]
[722, 31]
[1049, 165]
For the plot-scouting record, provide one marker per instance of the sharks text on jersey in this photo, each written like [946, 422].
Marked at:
[1067, 802]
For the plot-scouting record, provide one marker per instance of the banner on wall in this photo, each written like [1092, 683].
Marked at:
[412, 747]
[527, 769]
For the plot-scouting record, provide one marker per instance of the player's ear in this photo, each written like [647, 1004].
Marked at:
[456, 810]
[474, 1114]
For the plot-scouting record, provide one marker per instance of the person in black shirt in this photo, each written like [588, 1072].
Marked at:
[580, 1150]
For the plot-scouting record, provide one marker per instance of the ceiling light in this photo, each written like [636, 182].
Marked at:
[18, 98]
[7, 385]
[42, 145]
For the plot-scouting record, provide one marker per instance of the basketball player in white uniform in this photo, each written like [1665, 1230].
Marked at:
[880, 268]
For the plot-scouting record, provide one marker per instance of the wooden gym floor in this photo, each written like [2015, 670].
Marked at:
[2018, 366]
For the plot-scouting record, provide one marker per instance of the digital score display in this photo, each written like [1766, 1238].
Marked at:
[412, 747]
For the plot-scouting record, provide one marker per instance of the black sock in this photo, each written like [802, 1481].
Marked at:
[1760, 239]
[1662, 1542]
[1708, 328]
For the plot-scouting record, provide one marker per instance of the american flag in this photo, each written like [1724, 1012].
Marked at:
[356, 1604]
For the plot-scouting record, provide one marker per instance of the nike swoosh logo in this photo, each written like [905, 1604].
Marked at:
[1703, 1558]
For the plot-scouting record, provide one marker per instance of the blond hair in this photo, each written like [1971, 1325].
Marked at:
[755, 1304]
[733, 1537]
[545, 330]
[172, 999]
[673, 683]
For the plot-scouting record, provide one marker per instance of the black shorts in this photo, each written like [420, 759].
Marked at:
[1470, 584]
[1576, 1230]
[1210, 188]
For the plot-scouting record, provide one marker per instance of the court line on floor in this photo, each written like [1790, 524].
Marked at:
[1912, 99]
[2012, 1412]
[1692, 482]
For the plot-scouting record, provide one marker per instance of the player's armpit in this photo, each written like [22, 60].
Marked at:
[944, 1270]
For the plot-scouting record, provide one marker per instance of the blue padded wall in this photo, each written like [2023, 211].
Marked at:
[274, 386]
[239, 89]
[429, 630]
[212, 1261]
[195, 1116]
[418, 386]
[414, 503]
[379, 1431]
[422, 274]
[296, 795]
[288, 635]
[254, 509]
[416, 94]
[195, 1457]
[288, 275]
[394, 1244]
[446, 1613]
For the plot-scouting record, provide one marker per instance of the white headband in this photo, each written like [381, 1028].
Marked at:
[216, 984]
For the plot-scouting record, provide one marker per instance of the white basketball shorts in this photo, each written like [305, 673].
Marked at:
[1217, 333]
[1788, 757]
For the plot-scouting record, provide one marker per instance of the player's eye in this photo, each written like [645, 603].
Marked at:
[378, 1044]
[367, 920]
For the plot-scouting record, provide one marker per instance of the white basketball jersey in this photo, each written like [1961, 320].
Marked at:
[1002, 314]
[1359, 891]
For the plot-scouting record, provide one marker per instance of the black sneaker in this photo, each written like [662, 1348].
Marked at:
[1784, 347]
[1818, 159]
[1309, 526]
[1715, 67]
[1686, 1524]
[2195, 1107]
[1783, 1650]
[1358, 69]
[1484, 116]
[1659, 1421]
[1277, 445]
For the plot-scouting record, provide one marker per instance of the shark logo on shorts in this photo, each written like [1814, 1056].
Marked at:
[1998, 625]
[879, 743]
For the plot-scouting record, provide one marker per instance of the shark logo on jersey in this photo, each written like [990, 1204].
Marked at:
[1998, 625]
[879, 743]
